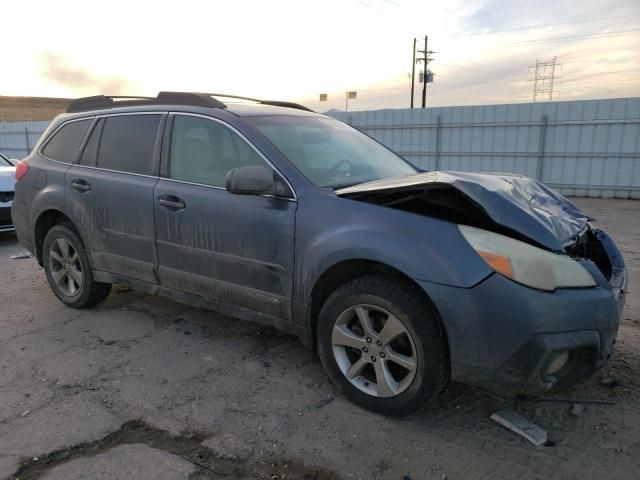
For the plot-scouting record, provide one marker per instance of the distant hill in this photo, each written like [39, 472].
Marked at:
[13, 109]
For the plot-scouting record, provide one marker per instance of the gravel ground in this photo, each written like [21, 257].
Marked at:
[143, 387]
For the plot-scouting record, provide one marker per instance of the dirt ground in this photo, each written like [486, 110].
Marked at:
[143, 387]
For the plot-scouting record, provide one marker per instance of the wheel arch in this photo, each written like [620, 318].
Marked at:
[345, 271]
[44, 222]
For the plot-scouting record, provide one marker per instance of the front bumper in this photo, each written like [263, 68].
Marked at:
[6, 224]
[504, 336]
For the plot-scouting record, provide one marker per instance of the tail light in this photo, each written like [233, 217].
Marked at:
[21, 170]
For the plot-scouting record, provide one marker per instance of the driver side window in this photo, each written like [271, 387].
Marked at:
[203, 151]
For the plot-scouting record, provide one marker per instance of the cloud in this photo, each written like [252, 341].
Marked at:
[485, 48]
[485, 57]
[506, 14]
[80, 81]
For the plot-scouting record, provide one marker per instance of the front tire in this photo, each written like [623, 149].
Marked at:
[381, 345]
[68, 270]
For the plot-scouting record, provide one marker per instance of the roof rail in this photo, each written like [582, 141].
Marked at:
[100, 102]
[186, 98]
[275, 103]
[278, 103]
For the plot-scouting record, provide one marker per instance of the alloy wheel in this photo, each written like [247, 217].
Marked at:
[65, 267]
[374, 350]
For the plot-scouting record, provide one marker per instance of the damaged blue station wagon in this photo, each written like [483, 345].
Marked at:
[263, 210]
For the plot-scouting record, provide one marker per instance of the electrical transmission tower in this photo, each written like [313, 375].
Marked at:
[545, 78]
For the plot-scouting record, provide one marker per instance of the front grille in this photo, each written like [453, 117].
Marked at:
[6, 197]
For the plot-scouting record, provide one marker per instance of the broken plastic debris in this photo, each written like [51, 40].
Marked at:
[577, 409]
[22, 254]
[521, 426]
[586, 401]
[609, 381]
[324, 402]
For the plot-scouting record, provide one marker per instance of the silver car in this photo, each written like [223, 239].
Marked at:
[7, 186]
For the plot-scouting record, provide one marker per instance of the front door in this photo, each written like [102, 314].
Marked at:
[109, 194]
[236, 249]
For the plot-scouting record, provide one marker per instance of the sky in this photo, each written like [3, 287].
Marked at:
[295, 50]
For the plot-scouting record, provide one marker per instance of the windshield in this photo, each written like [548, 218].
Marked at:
[330, 153]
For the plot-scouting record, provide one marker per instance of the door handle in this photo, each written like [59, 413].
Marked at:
[81, 185]
[170, 201]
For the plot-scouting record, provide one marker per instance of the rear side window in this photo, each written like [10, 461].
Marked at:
[64, 144]
[128, 142]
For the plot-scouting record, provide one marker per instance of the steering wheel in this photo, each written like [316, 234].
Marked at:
[335, 169]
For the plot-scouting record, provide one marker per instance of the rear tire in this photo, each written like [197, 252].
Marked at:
[68, 270]
[397, 363]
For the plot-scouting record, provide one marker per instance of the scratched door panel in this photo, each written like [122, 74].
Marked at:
[116, 216]
[236, 249]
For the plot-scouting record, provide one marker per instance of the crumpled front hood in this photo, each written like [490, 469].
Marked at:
[7, 179]
[515, 202]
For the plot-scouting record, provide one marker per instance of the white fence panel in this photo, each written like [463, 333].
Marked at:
[582, 148]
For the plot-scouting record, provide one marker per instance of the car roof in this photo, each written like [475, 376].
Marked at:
[244, 110]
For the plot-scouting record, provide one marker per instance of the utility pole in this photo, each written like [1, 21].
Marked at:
[413, 71]
[426, 75]
[544, 78]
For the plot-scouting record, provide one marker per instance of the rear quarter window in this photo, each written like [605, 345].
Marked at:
[90, 154]
[128, 142]
[64, 144]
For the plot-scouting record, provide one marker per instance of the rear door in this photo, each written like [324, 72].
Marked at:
[110, 193]
[236, 249]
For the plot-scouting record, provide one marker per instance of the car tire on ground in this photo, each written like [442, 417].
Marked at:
[68, 269]
[382, 345]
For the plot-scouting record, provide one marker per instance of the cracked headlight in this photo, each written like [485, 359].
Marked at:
[526, 264]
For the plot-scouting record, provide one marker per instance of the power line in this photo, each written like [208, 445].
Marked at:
[533, 27]
[620, 80]
[611, 72]
[615, 33]
[505, 60]
[455, 65]
[463, 84]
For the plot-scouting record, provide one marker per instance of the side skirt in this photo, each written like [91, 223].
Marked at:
[234, 311]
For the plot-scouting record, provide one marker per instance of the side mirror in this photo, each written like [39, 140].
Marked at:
[256, 180]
